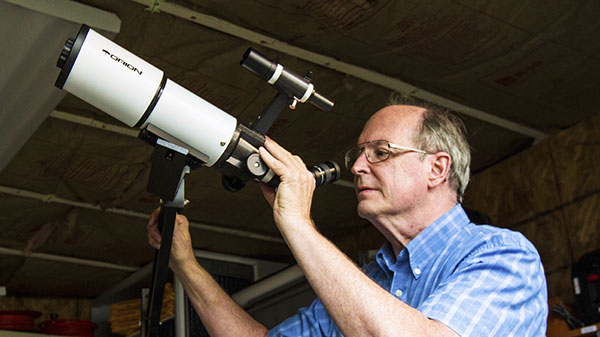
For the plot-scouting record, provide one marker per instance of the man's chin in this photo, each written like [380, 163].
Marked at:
[364, 211]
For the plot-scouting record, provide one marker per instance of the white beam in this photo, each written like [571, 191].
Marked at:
[74, 12]
[69, 117]
[267, 286]
[67, 259]
[135, 214]
[331, 63]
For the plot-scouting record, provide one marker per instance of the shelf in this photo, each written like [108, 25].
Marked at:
[589, 330]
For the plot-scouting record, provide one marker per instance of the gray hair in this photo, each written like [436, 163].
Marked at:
[441, 131]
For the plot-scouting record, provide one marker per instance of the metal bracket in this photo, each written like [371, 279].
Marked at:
[167, 181]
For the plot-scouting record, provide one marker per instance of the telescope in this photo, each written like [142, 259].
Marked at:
[138, 94]
[186, 130]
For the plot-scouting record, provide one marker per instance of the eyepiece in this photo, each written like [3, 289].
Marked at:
[326, 172]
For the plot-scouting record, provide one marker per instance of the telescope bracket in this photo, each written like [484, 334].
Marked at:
[265, 120]
[167, 173]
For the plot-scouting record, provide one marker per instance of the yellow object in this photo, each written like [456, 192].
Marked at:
[154, 8]
[125, 315]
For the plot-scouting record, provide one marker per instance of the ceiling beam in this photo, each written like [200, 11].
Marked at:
[334, 64]
[67, 259]
[77, 119]
[48, 198]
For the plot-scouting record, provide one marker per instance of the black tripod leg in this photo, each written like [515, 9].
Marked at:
[160, 268]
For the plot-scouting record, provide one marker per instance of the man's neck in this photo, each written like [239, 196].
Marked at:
[400, 229]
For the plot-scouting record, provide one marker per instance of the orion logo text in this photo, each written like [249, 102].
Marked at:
[120, 60]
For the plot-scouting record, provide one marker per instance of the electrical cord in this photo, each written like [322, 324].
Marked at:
[571, 320]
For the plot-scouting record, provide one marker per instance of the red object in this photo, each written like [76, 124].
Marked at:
[593, 277]
[21, 320]
[69, 327]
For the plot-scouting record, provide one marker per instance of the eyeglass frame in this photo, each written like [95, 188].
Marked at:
[364, 145]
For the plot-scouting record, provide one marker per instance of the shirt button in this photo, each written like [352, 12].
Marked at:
[398, 293]
[417, 271]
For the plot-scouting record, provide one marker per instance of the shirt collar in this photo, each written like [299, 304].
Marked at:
[386, 260]
[425, 246]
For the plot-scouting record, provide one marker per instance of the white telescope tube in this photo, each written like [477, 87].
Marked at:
[138, 94]
[112, 79]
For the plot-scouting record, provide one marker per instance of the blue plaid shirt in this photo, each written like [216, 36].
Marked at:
[478, 280]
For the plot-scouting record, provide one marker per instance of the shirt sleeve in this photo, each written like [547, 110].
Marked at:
[313, 321]
[499, 289]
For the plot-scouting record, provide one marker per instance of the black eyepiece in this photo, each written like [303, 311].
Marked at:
[326, 172]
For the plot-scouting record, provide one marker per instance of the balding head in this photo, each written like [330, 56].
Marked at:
[429, 128]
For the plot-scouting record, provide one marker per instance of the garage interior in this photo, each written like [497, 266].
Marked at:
[523, 75]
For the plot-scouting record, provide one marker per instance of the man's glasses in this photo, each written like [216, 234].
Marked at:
[375, 150]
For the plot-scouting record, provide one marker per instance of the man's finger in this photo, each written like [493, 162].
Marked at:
[272, 162]
[154, 237]
[153, 220]
[269, 193]
[275, 149]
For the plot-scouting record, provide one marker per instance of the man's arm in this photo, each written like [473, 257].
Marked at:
[357, 304]
[220, 315]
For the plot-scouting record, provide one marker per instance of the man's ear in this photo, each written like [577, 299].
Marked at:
[440, 169]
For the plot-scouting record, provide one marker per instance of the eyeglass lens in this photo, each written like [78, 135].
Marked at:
[375, 151]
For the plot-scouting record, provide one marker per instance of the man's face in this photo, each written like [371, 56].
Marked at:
[394, 186]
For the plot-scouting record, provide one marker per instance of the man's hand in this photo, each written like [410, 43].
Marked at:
[292, 200]
[181, 247]
[220, 315]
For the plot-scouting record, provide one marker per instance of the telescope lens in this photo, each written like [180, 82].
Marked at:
[68, 54]
[258, 64]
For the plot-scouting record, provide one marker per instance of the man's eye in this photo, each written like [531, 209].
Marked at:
[380, 153]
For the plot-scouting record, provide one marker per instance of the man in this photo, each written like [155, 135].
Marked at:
[436, 275]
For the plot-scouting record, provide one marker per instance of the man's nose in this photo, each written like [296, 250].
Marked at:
[360, 164]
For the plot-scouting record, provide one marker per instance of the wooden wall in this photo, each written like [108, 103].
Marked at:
[551, 193]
